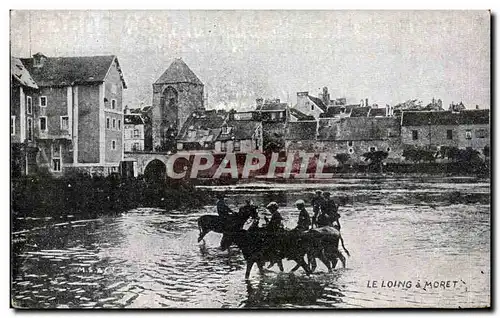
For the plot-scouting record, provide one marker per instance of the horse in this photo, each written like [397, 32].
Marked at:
[325, 247]
[215, 223]
[262, 246]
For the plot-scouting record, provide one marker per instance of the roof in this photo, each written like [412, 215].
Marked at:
[318, 102]
[464, 117]
[63, 71]
[204, 121]
[301, 130]
[273, 107]
[300, 115]
[360, 111]
[241, 129]
[334, 111]
[377, 112]
[178, 72]
[133, 119]
[20, 73]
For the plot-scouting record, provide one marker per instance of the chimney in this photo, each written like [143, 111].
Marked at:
[260, 102]
[326, 96]
[362, 103]
[126, 110]
[477, 106]
[366, 102]
[39, 59]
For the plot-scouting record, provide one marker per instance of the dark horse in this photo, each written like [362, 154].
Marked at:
[233, 222]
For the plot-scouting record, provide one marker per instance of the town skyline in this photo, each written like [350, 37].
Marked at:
[242, 55]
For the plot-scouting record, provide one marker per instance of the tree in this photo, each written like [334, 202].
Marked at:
[376, 158]
[416, 154]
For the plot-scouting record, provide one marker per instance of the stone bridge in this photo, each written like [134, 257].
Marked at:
[148, 162]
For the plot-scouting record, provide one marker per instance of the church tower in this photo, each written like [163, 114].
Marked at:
[176, 94]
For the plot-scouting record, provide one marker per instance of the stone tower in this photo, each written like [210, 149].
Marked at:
[176, 94]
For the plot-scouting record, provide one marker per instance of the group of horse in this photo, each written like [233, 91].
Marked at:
[260, 246]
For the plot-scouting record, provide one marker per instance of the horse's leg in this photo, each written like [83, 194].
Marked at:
[301, 262]
[342, 258]
[280, 265]
[325, 261]
[249, 269]
[312, 261]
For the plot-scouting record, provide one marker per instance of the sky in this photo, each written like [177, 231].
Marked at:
[385, 56]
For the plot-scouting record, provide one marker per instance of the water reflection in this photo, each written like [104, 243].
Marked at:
[147, 258]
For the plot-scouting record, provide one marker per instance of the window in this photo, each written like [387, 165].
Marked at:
[449, 134]
[12, 125]
[107, 123]
[388, 149]
[468, 134]
[223, 146]
[43, 101]
[43, 123]
[137, 133]
[273, 116]
[225, 130]
[349, 143]
[136, 146]
[414, 134]
[114, 123]
[372, 149]
[113, 104]
[119, 124]
[312, 106]
[179, 146]
[56, 164]
[113, 144]
[281, 115]
[64, 122]
[29, 105]
[237, 145]
[56, 157]
[481, 133]
[30, 129]
[351, 150]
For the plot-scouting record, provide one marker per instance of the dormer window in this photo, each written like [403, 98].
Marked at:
[39, 59]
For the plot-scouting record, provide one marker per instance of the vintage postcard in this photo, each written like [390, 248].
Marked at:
[250, 159]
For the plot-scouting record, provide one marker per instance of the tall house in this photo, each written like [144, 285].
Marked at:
[77, 109]
[22, 138]
[176, 95]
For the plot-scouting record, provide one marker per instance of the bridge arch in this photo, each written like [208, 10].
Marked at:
[155, 170]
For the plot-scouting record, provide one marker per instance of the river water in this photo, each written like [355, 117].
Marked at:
[413, 243]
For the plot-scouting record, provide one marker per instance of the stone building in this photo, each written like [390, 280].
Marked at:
[22, 137]
[77, 116]
[176, 95]
[433, 129]
[133, 131]
[310, 105]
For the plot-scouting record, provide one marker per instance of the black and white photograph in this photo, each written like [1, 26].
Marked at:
[250, 159]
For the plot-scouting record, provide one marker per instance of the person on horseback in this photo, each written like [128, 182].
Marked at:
[249, 209]
[316, 202]
[330, 209]
[223, 209]
[275, 224]
[304, 221]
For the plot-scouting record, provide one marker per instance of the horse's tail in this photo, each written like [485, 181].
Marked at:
[200, 224]
[345, 249]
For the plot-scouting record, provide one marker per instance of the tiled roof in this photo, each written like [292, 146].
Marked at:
[206, 121]
[377, 112]
[178, 72]
[464, 117]
[133, 119]
[318, 102]
[273, 106]
[240, 129]
[300, 115]
[20, 73]
[62, 71]
[360, 111]
[333, 111]
[301, 130]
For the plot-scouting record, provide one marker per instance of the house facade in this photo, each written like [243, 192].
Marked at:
[22, 120]
[77, 113]
[434, 129]
[133, 132]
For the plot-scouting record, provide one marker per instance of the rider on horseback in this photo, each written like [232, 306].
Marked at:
[304, 221]
[329, 212]
[317, 202]
[275, 224]
[222, 209]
